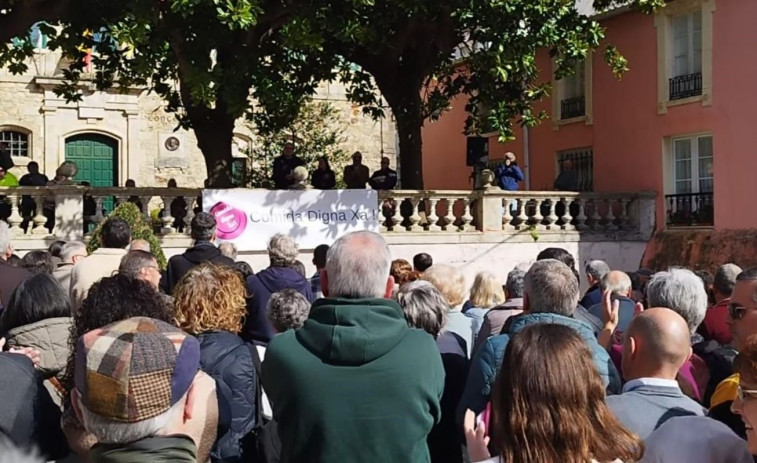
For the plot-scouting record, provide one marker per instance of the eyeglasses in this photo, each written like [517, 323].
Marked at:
[745, 392]
[737, 312]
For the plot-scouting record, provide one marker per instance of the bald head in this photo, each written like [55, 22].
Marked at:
[617, 282]
[140, 245]
[657, 345]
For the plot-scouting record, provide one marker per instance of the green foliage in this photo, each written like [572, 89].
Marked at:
[139, 230]
[317, 132]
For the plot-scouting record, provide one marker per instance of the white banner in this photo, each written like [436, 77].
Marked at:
[249, 218]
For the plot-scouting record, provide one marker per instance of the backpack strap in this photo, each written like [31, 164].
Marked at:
[258, 384]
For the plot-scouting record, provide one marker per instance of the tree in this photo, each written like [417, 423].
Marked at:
[207, 59]
[316, 132]
[421, 54]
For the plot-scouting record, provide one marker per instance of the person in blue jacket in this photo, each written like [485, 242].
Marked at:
[509, 174]
[550, 296]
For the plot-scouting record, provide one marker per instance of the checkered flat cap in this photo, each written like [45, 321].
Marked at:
[135, 369]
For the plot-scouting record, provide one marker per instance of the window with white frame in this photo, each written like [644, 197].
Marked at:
[686, 57]
[692, 165]
[572, 93]
[16, 142]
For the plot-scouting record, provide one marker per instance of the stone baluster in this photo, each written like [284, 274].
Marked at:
[432, 217]
[449, 215]
[190, 215]
[39, 219]
[581, 217]
[168, 219]
[15, 219]
[596, 219]
[522, 218]
[466, 218]
[507, 216]
[415, 217]
[99, 217]
[567, 219]
[610, 217]
[551, 218]
[397, 215]
[121, 199]
[624, 218]
[145, 200]
[537, 218]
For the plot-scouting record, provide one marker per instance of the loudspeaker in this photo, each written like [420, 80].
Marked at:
[478, 151]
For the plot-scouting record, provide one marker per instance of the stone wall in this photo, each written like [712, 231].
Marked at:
[701, 249]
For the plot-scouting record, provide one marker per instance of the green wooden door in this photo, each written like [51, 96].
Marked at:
[96, 156]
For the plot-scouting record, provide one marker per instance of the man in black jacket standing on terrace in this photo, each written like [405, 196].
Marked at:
[204, 250]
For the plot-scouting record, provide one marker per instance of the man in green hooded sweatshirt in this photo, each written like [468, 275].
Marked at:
[355, 383]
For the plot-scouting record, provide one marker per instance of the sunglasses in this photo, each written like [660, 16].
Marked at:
[737, 312]
[745, 393]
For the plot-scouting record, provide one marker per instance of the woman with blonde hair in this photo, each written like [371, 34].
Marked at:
[486, 293]
[451, 283]
[550, 406]
[210, 304]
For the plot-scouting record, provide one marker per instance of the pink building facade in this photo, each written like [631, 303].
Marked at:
[680, 123]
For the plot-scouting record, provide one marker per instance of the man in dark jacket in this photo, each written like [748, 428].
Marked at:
[550, 296]
[10, 277]
[204, 234]
[282, 252]
[355, 383]
[283, 166]
[509, 174]
[595, 271]
[384, 178]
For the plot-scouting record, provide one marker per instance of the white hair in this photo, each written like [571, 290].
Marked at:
[69, 250]
[681, 291]
[619, 285]
[449, 281]
[551, 287]
[5, 238]
[282, 250]
[357, 266]
[597, 269]
[140, 245]
[110, 431]
[228, 249]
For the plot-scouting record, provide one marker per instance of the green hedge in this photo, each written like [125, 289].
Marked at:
[139, 230]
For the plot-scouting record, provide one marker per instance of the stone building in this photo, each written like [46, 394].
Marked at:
[118, 135]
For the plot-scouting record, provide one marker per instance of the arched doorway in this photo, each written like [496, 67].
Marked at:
[96, 156]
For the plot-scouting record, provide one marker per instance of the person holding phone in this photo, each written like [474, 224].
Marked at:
[509, 174]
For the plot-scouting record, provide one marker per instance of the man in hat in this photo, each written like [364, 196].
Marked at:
[139, 390]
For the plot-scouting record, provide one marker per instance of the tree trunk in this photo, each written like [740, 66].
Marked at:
[406, 106]
[214, 139]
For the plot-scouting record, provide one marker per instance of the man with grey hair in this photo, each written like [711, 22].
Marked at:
[141, 265]
[10, 277]
[550, 295]
[229, 250]
[595, 271]
[715, 324]
[681, 291]
[495, 319]
[280, 275]
[204, 250]
[71, 253]
[355, 375]
[619, 285]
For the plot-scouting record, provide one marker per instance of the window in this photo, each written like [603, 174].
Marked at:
[573, 93]
[686, 64]
[582, 163]
[239, 172]
[17, 142]
[692, 159]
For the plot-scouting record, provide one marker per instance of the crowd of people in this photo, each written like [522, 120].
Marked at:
[109, 358]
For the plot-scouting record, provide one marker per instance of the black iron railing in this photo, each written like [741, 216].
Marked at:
[573, 107]
[583, 166]
[692, 209]
[685, 86]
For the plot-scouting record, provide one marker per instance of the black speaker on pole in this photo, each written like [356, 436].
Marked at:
[477, 151]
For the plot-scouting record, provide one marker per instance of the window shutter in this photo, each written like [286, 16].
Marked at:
[681, 53]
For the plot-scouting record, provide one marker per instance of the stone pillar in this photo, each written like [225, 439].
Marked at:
[647, 216]
[69, 216]
[488, 212]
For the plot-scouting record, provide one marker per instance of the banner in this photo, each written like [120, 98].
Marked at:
[249, 218]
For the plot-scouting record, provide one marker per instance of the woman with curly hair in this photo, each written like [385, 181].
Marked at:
[210, 304]
[549, 406]
[109, 300]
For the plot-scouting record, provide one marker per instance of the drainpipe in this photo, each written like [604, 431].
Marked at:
[526, 157]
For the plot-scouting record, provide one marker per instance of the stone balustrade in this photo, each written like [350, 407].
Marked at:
[72, 212]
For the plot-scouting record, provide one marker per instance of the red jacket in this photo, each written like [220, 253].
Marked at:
[715, 324]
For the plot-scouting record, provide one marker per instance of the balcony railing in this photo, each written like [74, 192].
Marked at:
[72, 212]
[685, 86]
[573, 107]
[690, 210]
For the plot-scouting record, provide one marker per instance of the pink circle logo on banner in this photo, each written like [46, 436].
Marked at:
[230, 222]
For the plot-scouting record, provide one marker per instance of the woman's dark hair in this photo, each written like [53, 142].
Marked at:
[550, 406]
[326, 160]
[708, 280]
[243, 268]
[110, 300]
[55, 248]
[38, 262]
[35, 299]
[14, 261]
[561, 255]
